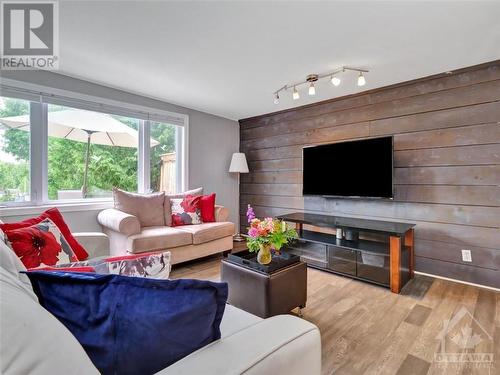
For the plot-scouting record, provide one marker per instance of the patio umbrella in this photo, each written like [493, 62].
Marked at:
[83, 126]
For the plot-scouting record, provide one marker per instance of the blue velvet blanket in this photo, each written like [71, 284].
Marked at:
[130, 325]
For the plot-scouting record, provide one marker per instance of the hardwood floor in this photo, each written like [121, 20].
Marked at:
[365, 329]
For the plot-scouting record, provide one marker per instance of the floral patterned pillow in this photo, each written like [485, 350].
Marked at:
[186, 211]
[40, 245]
[149, 265]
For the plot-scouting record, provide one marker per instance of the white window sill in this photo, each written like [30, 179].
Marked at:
[63, 206]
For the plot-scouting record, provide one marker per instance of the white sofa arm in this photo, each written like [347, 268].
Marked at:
[221, 213]
[119, 221]
[96, 243]
[279, 345]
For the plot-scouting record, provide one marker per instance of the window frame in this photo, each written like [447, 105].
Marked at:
[39, 147]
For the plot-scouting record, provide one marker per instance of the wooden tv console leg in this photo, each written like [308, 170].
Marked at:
[395, 254]
[409, 241]
[298, 228]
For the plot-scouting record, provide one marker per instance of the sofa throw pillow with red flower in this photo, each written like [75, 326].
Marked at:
[40, 245]
[186, 211]
[55, 216]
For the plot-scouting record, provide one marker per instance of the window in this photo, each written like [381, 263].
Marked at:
[62, 149]
[163, 158]
[14, 150]
[89, 153]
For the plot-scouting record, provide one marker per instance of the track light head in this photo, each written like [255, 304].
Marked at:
[335, 80]
[295, 94]
[312, 89]
[276, 98]
[311, 78]
[361, 79]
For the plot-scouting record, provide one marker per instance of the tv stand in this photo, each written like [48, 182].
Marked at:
[389, 264]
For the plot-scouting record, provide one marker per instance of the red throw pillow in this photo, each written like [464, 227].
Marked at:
[40, 245]
[186, 211]
[207, 206]
[56, 217]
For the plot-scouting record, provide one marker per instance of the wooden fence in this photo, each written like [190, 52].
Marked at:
[167, 173]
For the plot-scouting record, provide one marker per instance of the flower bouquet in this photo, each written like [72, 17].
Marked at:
[266, 234]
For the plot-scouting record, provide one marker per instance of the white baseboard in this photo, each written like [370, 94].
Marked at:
[458, 281]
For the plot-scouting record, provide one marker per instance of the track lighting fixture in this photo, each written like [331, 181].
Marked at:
[312, 78]
[361, 79]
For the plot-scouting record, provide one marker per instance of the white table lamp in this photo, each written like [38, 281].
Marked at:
[238, 165]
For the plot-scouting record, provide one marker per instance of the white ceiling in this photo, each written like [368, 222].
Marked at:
[228, 58]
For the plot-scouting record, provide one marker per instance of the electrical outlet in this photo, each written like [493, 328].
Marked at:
[466, 256]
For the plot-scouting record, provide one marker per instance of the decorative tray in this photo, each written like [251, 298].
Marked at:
[249, 260]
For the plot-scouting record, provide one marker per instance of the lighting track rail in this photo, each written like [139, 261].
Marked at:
[312, 78]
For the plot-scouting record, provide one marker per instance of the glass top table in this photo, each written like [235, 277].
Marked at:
[349, 223]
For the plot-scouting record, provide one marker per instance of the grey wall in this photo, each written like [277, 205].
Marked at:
[212, 139]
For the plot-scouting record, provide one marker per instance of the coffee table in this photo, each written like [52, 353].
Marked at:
[268, 290]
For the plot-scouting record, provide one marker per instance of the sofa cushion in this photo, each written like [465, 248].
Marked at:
[148, 208]
[33, 341]
[208, 231]
[131, 325]
[167, 204]
[158, 238]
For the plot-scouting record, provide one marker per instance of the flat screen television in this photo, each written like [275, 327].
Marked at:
[361, 168]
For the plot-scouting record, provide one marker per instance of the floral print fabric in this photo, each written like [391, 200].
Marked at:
[186, 211]
[40, 245]
[149, 265]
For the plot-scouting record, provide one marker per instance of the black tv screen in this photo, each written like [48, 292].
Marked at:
[360, 168]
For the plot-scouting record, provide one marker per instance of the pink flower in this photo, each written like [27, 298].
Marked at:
[253, 232]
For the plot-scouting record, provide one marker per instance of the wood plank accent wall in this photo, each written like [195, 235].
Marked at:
[447, 164]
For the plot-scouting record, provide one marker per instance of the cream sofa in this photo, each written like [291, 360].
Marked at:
[185, 242]
[33, 341]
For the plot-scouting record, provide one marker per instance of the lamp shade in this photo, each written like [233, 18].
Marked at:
[239, 163]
